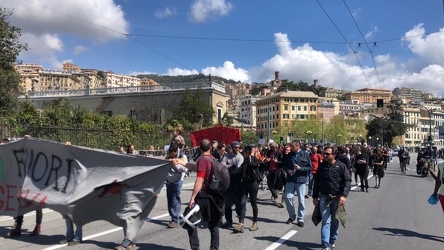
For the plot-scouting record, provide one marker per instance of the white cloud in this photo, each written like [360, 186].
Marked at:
[202, 10]
[135, 73]
[372, 33]
[427, 47]
[79, 49]
[342, 71]
[86, 18]
[164, 13]
[181, 72]
[228, 71]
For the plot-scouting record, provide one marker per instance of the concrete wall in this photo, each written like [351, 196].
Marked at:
[155, 106]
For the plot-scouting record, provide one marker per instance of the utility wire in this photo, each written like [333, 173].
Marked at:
[365, 41]
[109, 29]
[345, 39]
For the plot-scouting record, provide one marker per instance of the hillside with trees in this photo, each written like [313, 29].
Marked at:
[163, 79]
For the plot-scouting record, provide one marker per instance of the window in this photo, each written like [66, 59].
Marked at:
[285, 107]
[107, 113]
[299, 108]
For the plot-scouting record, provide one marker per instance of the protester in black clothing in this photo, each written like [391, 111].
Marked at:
[330, 190]
[215, 149]
[250, 183]
[404, 159]
[342, 156]
[378, 167]
[361, 166]
[273, 160]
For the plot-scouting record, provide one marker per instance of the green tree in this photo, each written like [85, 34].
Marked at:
[63, 114]
[227, 120]
[10, 48]
[194, 111]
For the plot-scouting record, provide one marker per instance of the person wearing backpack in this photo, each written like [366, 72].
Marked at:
[210, 203]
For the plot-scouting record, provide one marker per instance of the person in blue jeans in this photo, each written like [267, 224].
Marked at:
[174, 183]
[332, 184]
[72, 237]
[297, 166]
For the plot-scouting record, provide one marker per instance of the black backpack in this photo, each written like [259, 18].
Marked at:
[219, 177]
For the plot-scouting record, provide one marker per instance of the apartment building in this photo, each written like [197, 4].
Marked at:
[335, 93]
[328, 108]
[423, 120]
[368, 95]
[29, 74]
[246, 110]
[280, 108]
[120, 81]
[50, 80]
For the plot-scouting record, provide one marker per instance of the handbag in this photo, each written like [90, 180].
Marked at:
[316, 216]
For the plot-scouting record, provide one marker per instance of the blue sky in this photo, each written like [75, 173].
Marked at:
[338, 42]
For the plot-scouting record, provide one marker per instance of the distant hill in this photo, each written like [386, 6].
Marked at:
[185, 79]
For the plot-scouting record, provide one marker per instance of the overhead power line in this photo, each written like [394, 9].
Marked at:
[365, 41]
[345, 39]
[112, 30]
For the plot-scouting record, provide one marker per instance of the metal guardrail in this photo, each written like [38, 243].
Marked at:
[122, 90]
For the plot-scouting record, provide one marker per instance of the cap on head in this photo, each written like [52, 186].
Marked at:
[273, 145]
[235, 144]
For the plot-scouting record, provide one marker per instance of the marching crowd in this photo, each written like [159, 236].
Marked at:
[326, 171]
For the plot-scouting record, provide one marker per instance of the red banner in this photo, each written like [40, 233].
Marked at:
[219, 133]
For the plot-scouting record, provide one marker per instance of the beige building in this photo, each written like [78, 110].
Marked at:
[283, 107]
[120, 81]
[70, 67]
[368, 95]
[335, 93]
[29, 74]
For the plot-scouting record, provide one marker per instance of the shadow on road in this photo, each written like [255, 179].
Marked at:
[408, 233]
[112, 245]
[297, 244]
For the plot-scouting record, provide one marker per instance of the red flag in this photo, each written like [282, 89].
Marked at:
[218, 133]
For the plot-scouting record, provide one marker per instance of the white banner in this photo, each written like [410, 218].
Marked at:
[84, 184]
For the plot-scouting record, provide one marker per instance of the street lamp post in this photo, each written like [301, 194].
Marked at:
[268, 119]
[309, 134]
[381, 129]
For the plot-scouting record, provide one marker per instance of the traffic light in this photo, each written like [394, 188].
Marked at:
[380, 103]
[281, 140]
[429, 139]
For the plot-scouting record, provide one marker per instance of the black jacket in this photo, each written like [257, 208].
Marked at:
[334, 180]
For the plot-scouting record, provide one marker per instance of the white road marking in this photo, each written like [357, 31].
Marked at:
[359, 184]
[104, 233]
[281, 240]
[5, 218]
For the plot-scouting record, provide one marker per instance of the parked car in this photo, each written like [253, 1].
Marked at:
[394, 152]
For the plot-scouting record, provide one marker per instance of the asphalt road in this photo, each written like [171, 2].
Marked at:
[395, 216]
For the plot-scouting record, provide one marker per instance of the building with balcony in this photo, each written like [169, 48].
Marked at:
[281, 108]
[120, 81]
[245, 112]
[368, 95]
